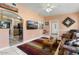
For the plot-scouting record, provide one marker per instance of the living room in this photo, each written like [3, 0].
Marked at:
[56, 26]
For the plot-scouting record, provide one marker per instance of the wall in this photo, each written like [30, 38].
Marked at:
[4, 38]
[28, 14]
[61, 18]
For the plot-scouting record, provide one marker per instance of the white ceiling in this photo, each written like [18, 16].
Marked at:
[61, 8]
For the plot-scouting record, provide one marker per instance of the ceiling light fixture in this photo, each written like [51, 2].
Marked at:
[48, 7]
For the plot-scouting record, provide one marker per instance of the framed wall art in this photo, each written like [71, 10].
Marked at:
[32, 24]
[68, 22]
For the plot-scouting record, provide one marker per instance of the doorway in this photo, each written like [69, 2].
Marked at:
[16, 32]
[55, 29]
[13, 22]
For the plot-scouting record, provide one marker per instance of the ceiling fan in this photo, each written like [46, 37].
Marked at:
[48, 7]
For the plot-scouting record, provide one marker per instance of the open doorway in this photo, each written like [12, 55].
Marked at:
[13, 22]
[16, 31]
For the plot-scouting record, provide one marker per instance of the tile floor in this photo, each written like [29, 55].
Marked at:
[12, 51]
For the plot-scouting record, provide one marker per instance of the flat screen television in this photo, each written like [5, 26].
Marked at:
[32, 24]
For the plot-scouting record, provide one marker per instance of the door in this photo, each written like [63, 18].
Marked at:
[55, 29]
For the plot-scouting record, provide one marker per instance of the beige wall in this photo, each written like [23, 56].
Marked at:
[4, 38]
[28, 14]
[61, 18]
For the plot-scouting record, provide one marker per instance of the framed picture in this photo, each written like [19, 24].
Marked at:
[68, 22]
[32, 24]
[46, 23]
[4, 24]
